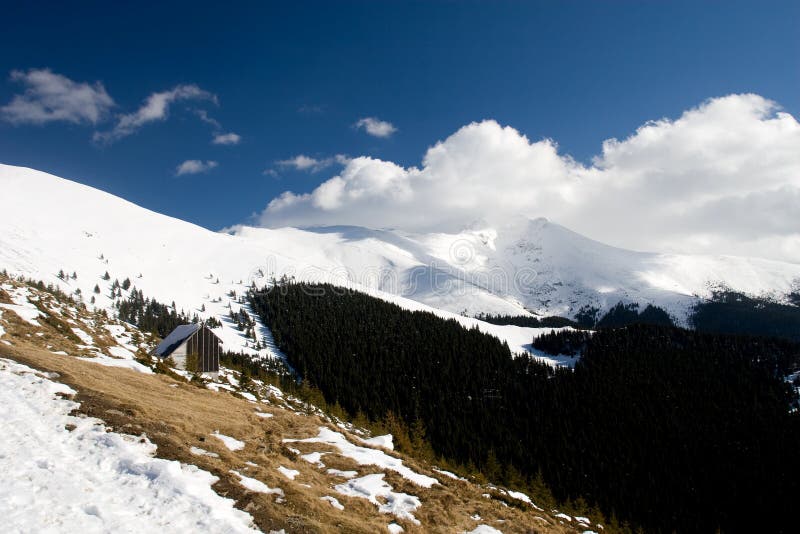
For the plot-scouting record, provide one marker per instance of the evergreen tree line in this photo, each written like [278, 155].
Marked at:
[666, 428]
[149, 315]
[734, 313]
[528, 321]
[589, 317]
[569, 342]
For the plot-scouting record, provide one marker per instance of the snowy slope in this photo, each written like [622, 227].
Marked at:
[552, 270]
[49, 223]
[91, 480]
[533, 266]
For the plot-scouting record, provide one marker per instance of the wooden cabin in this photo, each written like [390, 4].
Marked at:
[193, 347]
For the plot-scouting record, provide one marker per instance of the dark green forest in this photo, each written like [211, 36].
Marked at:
[149, 315]
[735, 313]
[668, 429]
[552, 321]
[588, 317]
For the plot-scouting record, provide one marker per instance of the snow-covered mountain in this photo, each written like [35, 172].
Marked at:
[48, 224]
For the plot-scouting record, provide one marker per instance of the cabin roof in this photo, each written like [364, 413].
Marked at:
[175, 338]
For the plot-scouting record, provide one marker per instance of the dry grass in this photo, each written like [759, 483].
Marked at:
[177, 415]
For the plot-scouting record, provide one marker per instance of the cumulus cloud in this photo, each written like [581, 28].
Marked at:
[226, 139]
[51, 97]
[724, 177]
[194, 166]
[155, 108]
[302, 162]
[376, 127]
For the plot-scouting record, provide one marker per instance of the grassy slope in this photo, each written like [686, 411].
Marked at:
[177, 415]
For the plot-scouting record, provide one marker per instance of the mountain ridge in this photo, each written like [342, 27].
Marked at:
[533, 266]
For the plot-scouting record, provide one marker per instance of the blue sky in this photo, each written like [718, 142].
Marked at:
[294, 79]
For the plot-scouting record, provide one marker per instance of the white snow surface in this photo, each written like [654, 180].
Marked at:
[291, 474]
[343, 474]
[484, 529]
[89, 480]
[532, 265]
[386, 441]
[314, 458]
[256, 485]
[85, 338]
[367, 456]
[334, 502]
[232, 444]
[23, 307]
[370, 487]
[449, 474]
[119, 362]
[519, 496]
[202, 452]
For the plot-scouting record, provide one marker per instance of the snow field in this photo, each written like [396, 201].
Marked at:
[564, 270]
[89, 480]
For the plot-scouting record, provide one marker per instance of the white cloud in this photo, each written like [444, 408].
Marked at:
[302, 162]
[155, 108]
[50, 97]
[194, 166]
[376, 127]
[724, 177]
[204, 116]
[226, 139]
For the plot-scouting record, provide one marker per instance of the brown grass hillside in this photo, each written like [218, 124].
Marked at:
[178, 415]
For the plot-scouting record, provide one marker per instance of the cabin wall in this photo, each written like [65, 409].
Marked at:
[207, 347]
[179, 356]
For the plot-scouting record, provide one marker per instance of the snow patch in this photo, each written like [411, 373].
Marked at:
[343, 474]
[314, 458]
[197, 451]
[448, 474]
[256, 485]
[120, 352]
[288, 473]
[232, 443]
[484, 529]
[334, 502]
[85, 338]
[370, 487]
[367, 456]
[116, 362]
[386, 442]
[91, 480]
